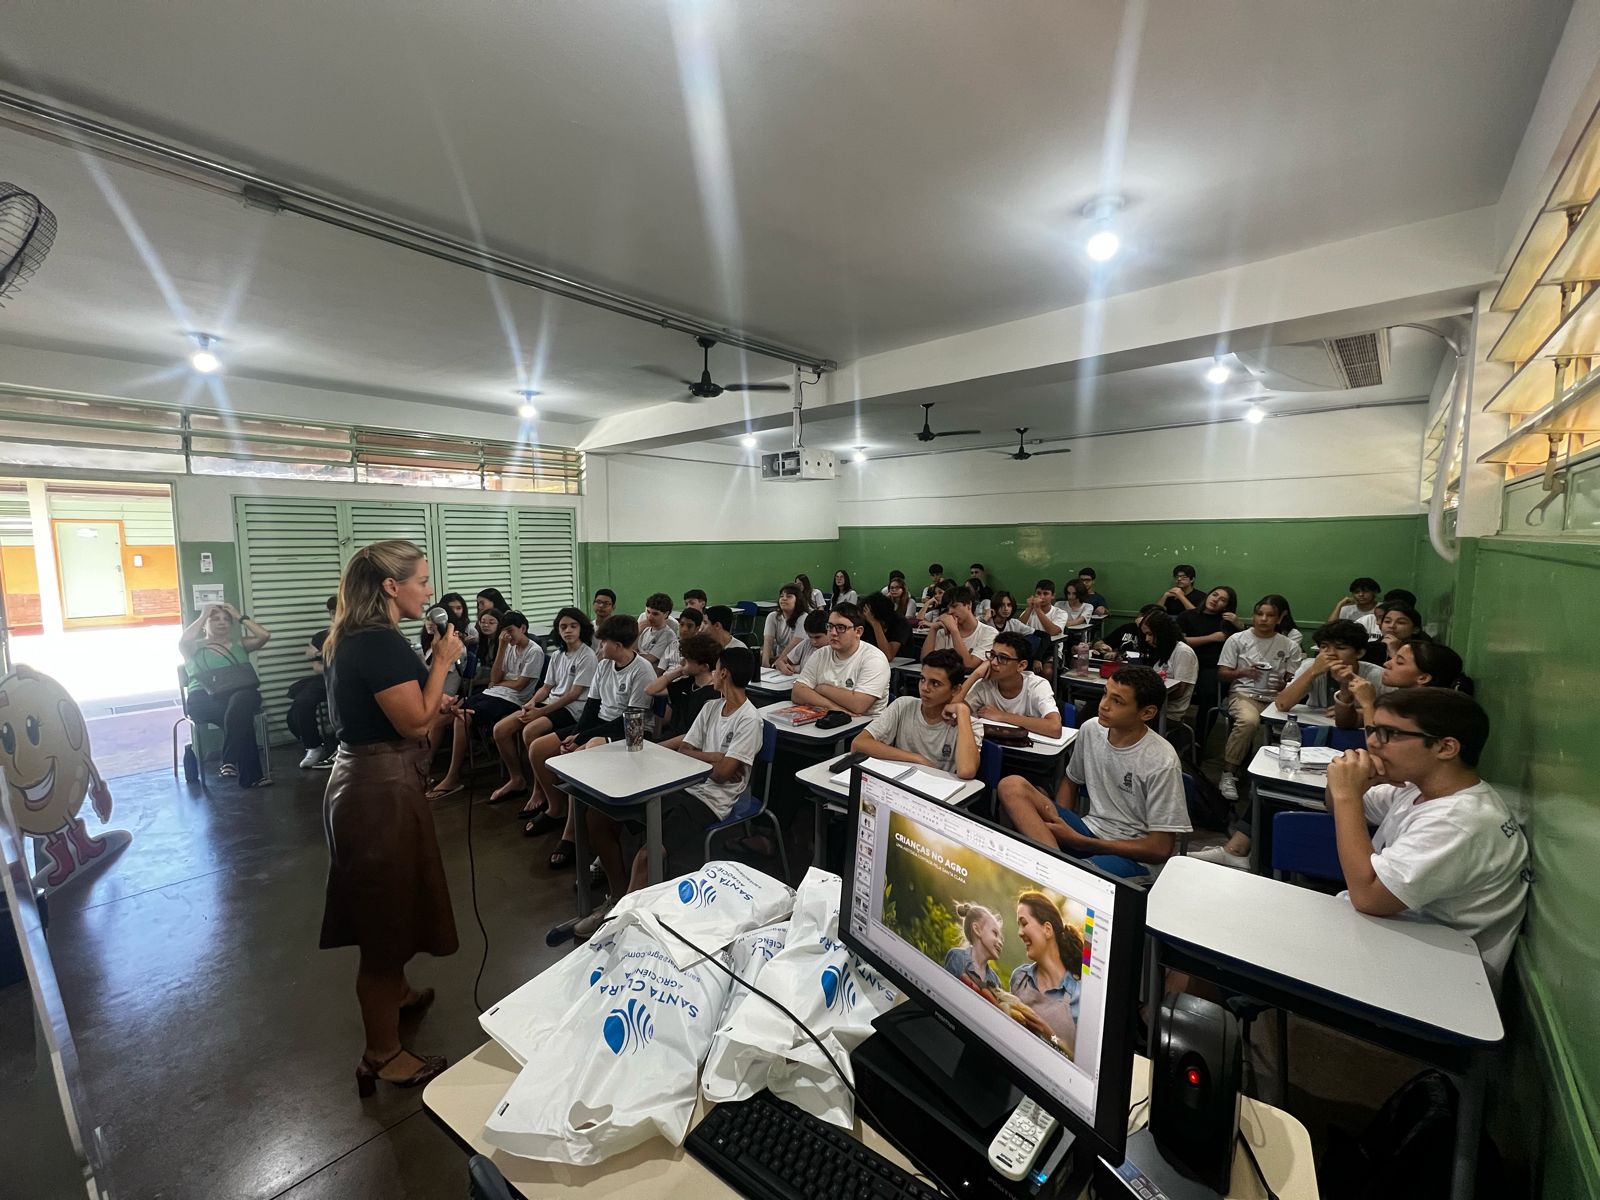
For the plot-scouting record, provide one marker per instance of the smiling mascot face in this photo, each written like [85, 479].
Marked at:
[44, 751]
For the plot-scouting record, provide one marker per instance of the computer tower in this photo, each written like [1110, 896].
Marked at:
[1194, 1088]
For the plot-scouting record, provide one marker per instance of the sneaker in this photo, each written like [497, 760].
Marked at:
[586, 926]
[1227, 786]
[1220, 856]
[310, 759]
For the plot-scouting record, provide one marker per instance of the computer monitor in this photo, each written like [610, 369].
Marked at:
[934, 888]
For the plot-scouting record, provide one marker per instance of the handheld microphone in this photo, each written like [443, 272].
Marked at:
[439, 616]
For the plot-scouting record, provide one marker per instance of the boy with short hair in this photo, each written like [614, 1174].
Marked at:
[687, 684]
[727, 736]
[657, 636]
[960, 630]
[1447, 847]
[690, 622]
[933, 728]
[719, 624]
[1086, 577]
[605, 603]
[695, 598]
[978, 583]
[1134, 779]
[512, 679]
[1004, 691]
[847, 675]
[816, 627]
[1182, 596]
[935, 573]
[1248, 660]
[1359, 601]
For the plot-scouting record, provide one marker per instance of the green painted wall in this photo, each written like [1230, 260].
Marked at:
[726, 570]
[224, 570]
[1309, 560]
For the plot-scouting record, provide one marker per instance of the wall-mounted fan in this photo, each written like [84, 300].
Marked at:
[27, 231]
[926, 434]
[703, 388]
[1023, 454]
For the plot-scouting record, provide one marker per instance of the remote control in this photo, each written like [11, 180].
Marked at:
[1018, 1143]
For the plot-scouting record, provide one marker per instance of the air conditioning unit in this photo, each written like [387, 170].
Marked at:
[804, 463]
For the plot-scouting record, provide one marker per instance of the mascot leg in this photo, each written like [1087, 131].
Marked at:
[59, 849]
[88, 846]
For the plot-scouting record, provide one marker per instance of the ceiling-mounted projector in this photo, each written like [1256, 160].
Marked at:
[784, 465]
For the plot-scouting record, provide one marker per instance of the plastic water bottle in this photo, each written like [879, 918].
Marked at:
[1289, 747]
[1080, 658]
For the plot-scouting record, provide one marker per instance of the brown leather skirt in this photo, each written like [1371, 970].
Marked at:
[387, 891]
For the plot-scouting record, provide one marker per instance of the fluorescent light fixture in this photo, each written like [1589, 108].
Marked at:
[526, 410]
[1102, 245]
[748, 440]
[1255, 414]
[1218, 374]
[203, 360]
[860, 456]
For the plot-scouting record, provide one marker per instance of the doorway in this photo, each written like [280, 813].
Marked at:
[89, 558]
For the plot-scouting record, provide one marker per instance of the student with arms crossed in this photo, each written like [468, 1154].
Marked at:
[512, 679]
[726, 735]
[658, 633]
[848, 675]
[933, 728]
[1447, 847]
[1134, 781]
[1004, 691]
[816, 630]
[1076, 604]
[1247, 663]
[960, 630]
[883, 627]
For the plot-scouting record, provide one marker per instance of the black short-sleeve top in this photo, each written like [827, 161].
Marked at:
[363, 665]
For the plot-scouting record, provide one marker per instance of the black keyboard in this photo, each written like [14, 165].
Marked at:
[765, 1147]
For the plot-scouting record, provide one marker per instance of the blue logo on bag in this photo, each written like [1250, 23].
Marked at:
[629, 1028]
[838, 988]
[697, 893]
[595, 974]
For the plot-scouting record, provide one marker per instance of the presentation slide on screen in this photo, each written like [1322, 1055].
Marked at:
[1005, 937]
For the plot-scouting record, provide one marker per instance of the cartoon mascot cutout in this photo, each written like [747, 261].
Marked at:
[44, 754]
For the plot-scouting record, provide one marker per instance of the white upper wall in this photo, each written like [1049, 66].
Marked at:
[653, 498]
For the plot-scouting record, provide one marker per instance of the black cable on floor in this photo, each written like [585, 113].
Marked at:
[472, 871]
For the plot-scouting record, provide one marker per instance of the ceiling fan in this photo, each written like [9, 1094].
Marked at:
[703, 388]
[926, 434]
[1023, 455]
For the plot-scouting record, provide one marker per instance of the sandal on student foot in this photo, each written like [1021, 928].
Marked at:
[532, 811]
[563, 855]
[541, 823]
[367, 1072]
[507, 791]
[440, 792]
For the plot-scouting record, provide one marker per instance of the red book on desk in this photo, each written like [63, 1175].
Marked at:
[800, 714]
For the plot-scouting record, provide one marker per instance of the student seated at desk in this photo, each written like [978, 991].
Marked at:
[935, 577]
[900, 600]
[816, 637]
[517, 666]
[938, 603]
[1126, 641]
[689, 685]
[978, 583]
[1400, 624]
[1247, 663]
[1374, 620]
[1361, 600]
[621, 682]
[847, 675]
[960, 630]
[1447, 847]
[1167, 652]
[658, 633]
[1002, 614]
[719, 624]
[933, 727]
[782, 629]
[843, 593]
[1076, 604]
[1340, 645]
[1004, 691]
[1086, 581]
[1421, 662]
[1134, 781]
[888, 583]
[882, 626]
[1182, 596]
[1043, 615]
[695, 598]
[814, 596]
[725, 735]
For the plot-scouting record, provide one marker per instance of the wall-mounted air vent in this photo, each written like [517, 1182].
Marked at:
[1361, 360]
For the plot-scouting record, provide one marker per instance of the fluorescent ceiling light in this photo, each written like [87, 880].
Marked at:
[1103, 245]
[1255, 414]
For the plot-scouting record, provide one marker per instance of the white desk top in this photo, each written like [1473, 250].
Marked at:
[1425, 974]
[1303, 713]
[1042, 746]
[1266, 767]
[614, 772]
[817, 776]
[1095, 680]
[810, 732]
[772, 680]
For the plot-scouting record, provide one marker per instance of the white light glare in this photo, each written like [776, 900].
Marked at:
[527, 411]
[860, 456]
[203, 360]
[1103, 245]
[1218, 374]
[1255, 414]
[748, 440]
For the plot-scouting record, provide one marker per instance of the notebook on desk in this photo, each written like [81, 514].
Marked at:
[800, 714]
[938, 787]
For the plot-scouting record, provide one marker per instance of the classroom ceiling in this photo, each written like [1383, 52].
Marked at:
[830, 174]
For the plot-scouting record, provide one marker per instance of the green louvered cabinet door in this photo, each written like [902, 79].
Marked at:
[545, 557]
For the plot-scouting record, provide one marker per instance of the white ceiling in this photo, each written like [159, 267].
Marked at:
[832, 174]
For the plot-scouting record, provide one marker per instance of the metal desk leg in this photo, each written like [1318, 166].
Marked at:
[652, 836]
[819, 835]
[580, 852]
[1258, 864]
[1469, 1129]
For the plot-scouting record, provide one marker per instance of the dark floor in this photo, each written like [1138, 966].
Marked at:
[218, 1043]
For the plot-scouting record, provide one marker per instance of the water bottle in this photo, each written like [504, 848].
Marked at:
[1289, 747]
[1080, 658]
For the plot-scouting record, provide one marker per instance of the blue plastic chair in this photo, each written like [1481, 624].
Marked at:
[1347, 739]
[1069, 715]
[748, 807]
[746, 614]
[991, 765]
[1303, 843]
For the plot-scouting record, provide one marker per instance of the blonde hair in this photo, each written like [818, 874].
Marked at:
[363, 604]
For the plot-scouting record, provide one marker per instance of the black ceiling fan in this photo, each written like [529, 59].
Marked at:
[1023, 454]
[927, 434]
[703, 388]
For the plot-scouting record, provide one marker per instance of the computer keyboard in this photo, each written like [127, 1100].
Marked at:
[765, 1147]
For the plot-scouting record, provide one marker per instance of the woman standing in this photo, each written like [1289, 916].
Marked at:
[386, 892]
[224, 689]
[1050, 982]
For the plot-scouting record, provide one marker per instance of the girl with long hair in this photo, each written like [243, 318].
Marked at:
[782, 629]
[386, 892]
[554, 708]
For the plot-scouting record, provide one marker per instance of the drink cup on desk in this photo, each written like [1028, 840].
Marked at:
[633, 727]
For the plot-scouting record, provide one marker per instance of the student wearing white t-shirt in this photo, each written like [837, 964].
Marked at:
[727, 736]
[1004, 691]
[843, 593]
[658, 633]
[1134, 782]
[849, 675]
[1447, 848]
[960, 630]
[1421, 662]
[1076, 604]
[933, 728]
[1171, 654]
[518, 663]
[1340, 644]
[784, 623]
[1252, 664]
[554, 707]
[1361, 600]
[816, 637]
[719, 624]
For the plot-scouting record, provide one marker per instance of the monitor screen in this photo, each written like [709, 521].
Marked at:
[1030, 954]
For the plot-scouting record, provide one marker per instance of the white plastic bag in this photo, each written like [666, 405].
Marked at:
[611, 1040]
[826, 987]
[710, 907]
[735, 1070]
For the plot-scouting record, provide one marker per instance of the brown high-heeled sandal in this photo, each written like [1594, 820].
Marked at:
[367, 1072]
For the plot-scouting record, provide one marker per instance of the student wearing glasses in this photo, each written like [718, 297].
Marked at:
[1182, 596]
[848, 675]
[933, 728]
[1447, 848]
[960, 630]
[1004, 691]
[1091, 592]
